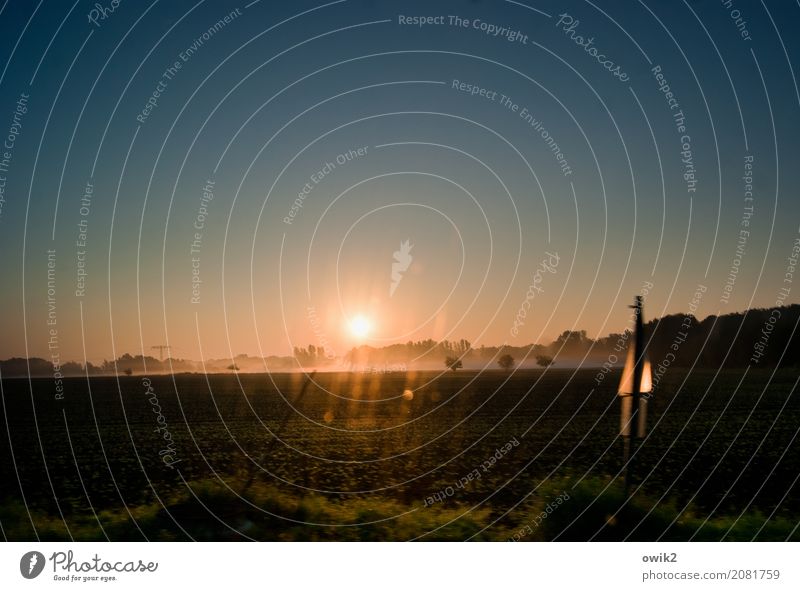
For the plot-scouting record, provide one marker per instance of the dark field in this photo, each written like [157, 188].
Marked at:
[359, 461]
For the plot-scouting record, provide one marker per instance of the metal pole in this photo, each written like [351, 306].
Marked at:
[638, 368]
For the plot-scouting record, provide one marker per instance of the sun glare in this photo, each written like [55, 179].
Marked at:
[360, 326]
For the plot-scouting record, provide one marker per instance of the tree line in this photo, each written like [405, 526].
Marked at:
[760, 337]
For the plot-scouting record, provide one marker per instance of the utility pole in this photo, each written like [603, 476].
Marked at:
[161, 349]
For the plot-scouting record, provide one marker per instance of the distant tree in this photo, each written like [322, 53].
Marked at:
[128, 371]
[303, 356]
[71, 368]
[506, 362]
[453, 363]
[233, 367]
[544, 360]
[572, 342]
[571, 336]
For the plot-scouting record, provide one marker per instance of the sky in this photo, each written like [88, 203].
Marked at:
[232, 178]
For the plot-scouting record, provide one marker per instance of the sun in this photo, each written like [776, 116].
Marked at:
[360, 326]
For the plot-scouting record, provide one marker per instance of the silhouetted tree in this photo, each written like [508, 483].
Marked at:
[453, 363]
[506, 362]
[544, 360]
